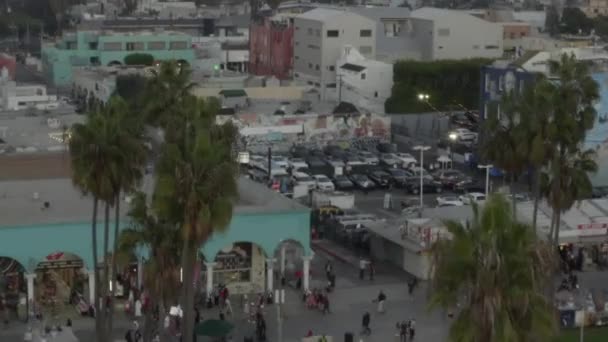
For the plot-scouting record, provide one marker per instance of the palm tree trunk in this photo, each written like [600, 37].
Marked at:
[536, 194]
[104, 279]
[188, 261]
[114, 267]
[98, 317]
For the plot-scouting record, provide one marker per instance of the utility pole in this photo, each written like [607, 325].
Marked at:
[339, 88]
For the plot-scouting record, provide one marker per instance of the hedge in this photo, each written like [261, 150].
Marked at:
[139, 59]
[450, 84]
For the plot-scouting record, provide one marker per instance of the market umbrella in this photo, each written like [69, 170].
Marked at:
[213, 328]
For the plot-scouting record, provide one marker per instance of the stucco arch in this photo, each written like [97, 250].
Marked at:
[211, 254]
[114, 63]
[7, 262]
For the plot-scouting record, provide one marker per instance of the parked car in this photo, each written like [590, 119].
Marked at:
[386, 148]
[398, 176]
[463, 135]
[428, 185]
[297, 163]
[301, 178]
[406, 159]
[362, 181]
[299, 151]
[469, 185]
[281, 161]
[381, 178]
[323, 183]
[449, 201]
[342, 183]
[389, 159]
[472, 197]
[369, 158]
[258, 175]
[449, 178]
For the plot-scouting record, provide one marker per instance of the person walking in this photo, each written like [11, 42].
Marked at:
[402, 329]
[411, 285]
[362, 264]
[381, 300]
[412, 328]
[365, 323]
[228, 306]
[328, 270]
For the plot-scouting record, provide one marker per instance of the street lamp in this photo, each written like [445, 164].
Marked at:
[279, 299]
[421, 148]
[488, 167]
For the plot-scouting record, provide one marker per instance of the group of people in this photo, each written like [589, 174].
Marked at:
[317, 299]
[369, 266]
[406, 329]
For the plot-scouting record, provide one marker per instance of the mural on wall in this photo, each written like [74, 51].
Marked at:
[597, 137]
[283, 131]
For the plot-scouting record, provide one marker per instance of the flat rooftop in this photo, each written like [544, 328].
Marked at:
[37, 133]
[22, 201]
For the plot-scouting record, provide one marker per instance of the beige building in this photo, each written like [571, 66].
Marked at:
[319, 37]
[593, 8]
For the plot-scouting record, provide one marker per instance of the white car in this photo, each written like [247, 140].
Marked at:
[406, 159]
[472, 197]
[368, 158]
[463, 135]
[301, 178]
[389, 159]
[297, 163]
[280, 161]
[323, 183]
[449, 201]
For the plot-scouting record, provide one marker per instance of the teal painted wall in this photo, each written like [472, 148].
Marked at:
[31, 244]
[58, 60]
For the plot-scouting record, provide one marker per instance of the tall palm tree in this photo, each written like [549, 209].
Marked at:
[196, 185]
[91, 153]
[497, 270]
[502, 140]
[163, 241]
[573, 115]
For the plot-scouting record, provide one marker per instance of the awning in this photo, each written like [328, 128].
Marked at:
[352, 67]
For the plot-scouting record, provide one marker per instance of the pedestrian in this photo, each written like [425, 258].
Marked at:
[365, 323]
[197, 315]
[380, 301]
[228, 307]
[362, 264]
[403, 331]
[411, 285]
[309, 334]
[372, 270]
[328, 269]
[412, 328]
[326, 304]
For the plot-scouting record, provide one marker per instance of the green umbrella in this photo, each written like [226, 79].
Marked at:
[213, 328]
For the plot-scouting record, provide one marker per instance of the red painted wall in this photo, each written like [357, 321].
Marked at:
[271, 49]
[9, 63]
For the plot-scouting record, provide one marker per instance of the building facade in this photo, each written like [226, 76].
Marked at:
[92, 48]
[319, 37]
[18, 97]
[9, 63]
[594, 8]
[271, 47]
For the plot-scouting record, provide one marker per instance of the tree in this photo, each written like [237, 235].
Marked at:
[139, 59]
[497, 270]
[196, 172]
[574, 21]
[573, 115]
[552, 20]
[163, 241]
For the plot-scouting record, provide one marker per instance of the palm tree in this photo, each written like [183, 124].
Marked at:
[91, 153]
[497, 270]
[573, 115]
[502, 141]
[163, 241]
[196, 184]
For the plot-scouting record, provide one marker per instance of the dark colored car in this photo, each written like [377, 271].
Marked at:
[399, 176]
[449, 178]
[386, 148]
[299, 151]
[362, 181]
[381, 178]
[342, 183]
[599, 192]
[469, 185]
[428, 186]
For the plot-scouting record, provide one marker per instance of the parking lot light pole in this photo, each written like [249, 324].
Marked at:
[488, 167]
[421, 148]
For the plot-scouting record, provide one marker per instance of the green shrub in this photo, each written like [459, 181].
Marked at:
[139, 59]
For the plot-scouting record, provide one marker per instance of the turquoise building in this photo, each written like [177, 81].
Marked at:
[48, 219]
[92, 48]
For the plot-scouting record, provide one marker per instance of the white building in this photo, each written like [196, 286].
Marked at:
[17, 97]
[449, 34]
[366, 83]
[319, 37]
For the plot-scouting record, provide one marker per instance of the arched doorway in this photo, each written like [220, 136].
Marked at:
[114, 63]
[13, 287]
[62, 284]
[290, 256]
[240, 266]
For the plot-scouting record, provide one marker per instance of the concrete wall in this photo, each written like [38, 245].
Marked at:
[416, 128]
[283, 93]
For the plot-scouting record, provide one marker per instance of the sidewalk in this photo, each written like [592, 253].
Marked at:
[336, 251]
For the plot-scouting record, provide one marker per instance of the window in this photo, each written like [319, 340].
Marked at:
[333, 33]
[309, 83]
[331, 68]
[94, 60]
[487, 82]
[297, 75]
[330, 85]
[310, 65]
[440, 47]
[501, 81]
[375, 94]
[365, 33]
[317, 85]
[115, 46]
[178, 45]
[313, 47]
[135, 46]
[485, 110]
[157, 46]
[310, 31]
[317, 67]
[93, 45]
[363, 76]
[318, 33]
[443, 32]
[512, 35]
[365, 50]
[297, 57]
[491, 47]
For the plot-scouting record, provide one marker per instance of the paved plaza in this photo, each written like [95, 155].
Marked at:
[350, 300]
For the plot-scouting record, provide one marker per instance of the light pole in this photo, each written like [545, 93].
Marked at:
[452, 137]
[421, 148]
[279, 299]
[488, 167]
